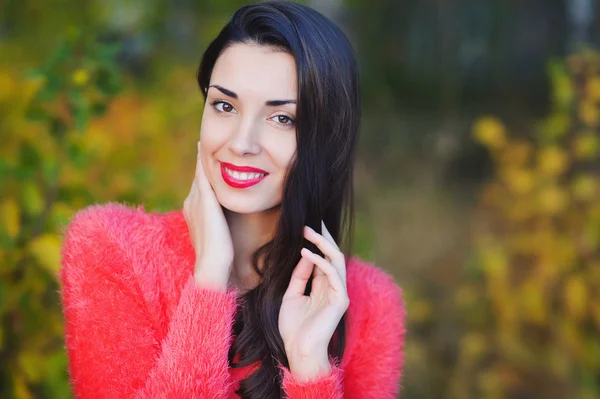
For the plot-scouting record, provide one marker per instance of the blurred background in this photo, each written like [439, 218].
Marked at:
[477, 182]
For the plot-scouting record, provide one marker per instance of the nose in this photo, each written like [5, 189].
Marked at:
[245, 138]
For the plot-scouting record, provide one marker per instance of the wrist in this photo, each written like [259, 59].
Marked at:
[306, 368]
[206, 280]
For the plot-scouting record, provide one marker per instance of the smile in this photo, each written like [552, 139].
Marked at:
[241, 179]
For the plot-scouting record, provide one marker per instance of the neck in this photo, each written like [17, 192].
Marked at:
[249, 231]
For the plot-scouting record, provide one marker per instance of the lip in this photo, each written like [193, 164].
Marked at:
[231, 166]
[236, 183]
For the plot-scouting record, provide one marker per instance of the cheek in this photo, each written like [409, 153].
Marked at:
[287, 161]
[282, 150]
[213, 136]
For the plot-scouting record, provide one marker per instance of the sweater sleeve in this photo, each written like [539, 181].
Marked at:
[373, 369]
[113, 342]
[323, 386]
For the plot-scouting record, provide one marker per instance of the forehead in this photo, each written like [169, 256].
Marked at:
[251, 70]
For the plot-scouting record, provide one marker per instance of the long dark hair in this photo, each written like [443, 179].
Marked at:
[319, 180]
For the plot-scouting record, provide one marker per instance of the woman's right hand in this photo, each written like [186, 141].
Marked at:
[209, 231]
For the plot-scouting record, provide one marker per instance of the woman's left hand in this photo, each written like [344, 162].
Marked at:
[307, 323]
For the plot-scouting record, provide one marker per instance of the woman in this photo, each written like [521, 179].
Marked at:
[226, 299]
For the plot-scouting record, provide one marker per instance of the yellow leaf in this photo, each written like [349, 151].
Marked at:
[593, 88]
[563, 89]
[32, 86]
[80, 77]
[46, 249]
[20, 387]
[532, 302]
[586, 146]
[31, 364]
[584, 187]
[564, 251]
[10, 217]
[490, 132]
[556, 125]
[590, 237]
[33, 203]
[588, 112]
[575, 296]
[472, 345]
[494, 262]
[97, 142]
[520, 181]
[552, 200]
[552, 161]
[7, 86]
[516, 153]
[519, 210]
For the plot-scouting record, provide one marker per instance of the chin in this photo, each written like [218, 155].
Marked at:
[243, 204]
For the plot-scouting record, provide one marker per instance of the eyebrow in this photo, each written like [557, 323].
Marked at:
[270, 103]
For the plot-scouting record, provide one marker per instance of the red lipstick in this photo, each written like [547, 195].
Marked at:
[237, 182]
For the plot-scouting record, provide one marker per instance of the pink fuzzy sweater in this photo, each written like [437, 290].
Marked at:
[137, 325]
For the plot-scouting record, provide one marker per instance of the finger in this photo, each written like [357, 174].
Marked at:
[329, 249]
[327, 235]
[317, 271]
[199, 166]
[203, 184]
[192, 194]
[300, 277]
[198, 159]
[200, 173]
[321, 242]
[194, 188]
[341, 263]
[333, 276]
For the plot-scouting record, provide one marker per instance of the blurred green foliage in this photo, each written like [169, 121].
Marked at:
[531, 306]
[44, 115]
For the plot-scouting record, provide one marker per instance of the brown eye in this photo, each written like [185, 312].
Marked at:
[284, 120]
[222, 106]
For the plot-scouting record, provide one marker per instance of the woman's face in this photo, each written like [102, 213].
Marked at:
[248, 133]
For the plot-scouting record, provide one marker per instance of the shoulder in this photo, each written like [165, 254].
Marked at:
[376, 314]
[103, 234]
[371, 286]
[373, 357]
[98, 222]
[111, 216]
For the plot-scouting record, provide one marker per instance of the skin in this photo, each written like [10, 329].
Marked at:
[249, 132]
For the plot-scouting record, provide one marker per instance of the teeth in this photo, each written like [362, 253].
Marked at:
[244, 175]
